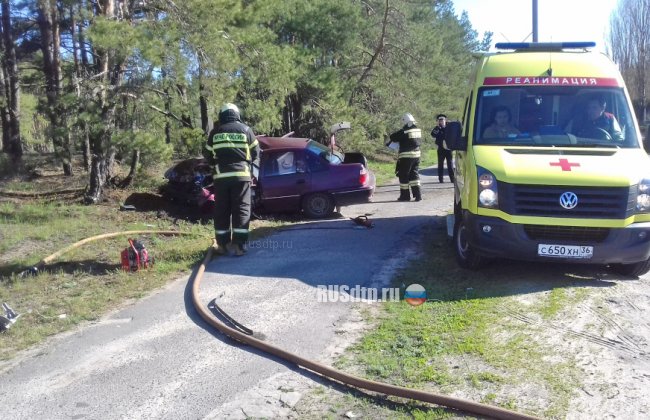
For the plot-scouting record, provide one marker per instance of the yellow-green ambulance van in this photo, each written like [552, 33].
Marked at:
[548, 161]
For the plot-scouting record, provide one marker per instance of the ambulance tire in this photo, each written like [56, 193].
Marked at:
[465, 255]
[633, 270]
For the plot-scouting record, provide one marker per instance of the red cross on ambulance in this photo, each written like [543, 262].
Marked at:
[565, 164]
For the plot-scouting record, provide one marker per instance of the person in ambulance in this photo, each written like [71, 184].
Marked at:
[501, 124]
[596, 122]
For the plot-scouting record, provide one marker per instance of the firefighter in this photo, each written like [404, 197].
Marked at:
[409, 138]
[231, 150]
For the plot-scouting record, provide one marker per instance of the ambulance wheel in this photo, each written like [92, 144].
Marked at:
[318, 206]
[633, 270]
[466, 256]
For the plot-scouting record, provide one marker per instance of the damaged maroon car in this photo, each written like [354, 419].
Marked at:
[301, 174]
[294, 174]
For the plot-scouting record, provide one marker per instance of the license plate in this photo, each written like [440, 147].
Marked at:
[565, 251]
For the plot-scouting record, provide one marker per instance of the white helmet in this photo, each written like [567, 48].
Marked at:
[408, 119]
[229, 112]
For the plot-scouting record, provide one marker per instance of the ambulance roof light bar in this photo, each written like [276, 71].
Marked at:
[543, 46]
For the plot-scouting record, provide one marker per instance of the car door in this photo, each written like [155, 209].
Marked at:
[285, 179]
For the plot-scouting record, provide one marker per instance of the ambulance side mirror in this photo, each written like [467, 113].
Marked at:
[454, 139]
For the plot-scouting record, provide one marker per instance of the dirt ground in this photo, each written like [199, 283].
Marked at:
[608, 335]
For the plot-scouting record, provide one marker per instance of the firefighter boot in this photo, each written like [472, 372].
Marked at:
[417, 194]
[220, 249]
[404, 195]
[238, 250]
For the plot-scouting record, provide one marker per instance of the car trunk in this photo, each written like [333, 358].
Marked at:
[356, 157]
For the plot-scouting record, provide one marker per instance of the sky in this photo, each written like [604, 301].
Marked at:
[557, 20]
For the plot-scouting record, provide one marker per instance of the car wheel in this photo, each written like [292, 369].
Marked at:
[465, 255]
[318, 206]
[633, 270]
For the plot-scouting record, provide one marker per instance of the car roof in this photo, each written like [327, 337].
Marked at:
[282, 142]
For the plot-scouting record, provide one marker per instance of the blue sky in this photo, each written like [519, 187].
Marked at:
[558, 20]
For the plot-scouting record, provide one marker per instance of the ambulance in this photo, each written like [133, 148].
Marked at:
[549, 163]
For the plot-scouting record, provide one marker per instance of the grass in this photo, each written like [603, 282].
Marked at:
[464, 340]
[87, 282]
[84, 284]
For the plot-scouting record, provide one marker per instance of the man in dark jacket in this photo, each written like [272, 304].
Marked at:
[438, 133]
[595, 118]
[231, 150]
[409, 138]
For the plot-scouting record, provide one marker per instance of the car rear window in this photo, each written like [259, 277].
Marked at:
[333, 157]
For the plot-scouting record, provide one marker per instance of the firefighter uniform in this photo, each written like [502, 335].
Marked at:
[409, 138]
[231, 150]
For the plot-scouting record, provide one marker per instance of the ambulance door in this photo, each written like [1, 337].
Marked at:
[460, 157]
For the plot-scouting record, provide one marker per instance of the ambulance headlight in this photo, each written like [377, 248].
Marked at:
[643, 196]
[488, 195]
[487, 198]
[643, 202]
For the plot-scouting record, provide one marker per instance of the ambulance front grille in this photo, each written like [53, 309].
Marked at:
[544, 200]
[575, 234]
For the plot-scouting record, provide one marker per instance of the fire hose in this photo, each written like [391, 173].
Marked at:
[337, 375]
[322, 369]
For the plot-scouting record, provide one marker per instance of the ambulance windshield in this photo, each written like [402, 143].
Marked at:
[566, 116]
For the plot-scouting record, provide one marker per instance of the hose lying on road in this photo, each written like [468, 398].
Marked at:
[324, 370]
[330, 372]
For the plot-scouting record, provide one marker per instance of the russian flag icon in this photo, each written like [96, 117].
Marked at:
[415, 295]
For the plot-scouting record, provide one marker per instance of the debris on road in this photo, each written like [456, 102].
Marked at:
[9, 318]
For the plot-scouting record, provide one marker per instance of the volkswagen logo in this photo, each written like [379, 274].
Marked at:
[568, 200]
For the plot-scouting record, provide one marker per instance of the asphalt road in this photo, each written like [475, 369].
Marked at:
[157, 359]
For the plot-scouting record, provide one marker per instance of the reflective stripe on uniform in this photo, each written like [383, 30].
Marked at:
[237, 230]
[403, 186]
[415, 183]
[222, 232]
[231, 174]
[248, 149]
[414, 133]
[229, 146]
[412, 154]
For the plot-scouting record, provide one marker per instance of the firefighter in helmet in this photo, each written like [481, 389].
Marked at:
[231, 150]
[409, 138]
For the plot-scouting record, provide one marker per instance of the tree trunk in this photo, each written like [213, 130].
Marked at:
[135, 161]
[186, 119]
[101, 162]
[103, 154]
[379, 49]
[96, 182]
[12, 82]
[4, 112]
[48, 22]
[86, 149]
[168, 124]
[203, 104]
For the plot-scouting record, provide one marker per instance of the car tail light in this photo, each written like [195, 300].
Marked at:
[363, 176]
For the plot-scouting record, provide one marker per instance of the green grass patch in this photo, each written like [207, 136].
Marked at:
[465, 337]
[87, 282]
